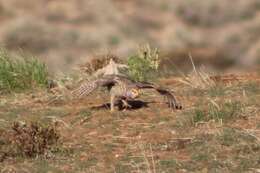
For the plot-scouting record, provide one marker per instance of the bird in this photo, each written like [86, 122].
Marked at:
[123, 89]
[112, 68]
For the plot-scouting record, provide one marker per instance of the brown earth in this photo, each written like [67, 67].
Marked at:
[149, 138]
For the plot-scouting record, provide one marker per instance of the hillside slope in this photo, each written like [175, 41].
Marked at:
[62, 32]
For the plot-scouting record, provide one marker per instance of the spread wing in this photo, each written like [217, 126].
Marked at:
[171, 100]
[88, 87]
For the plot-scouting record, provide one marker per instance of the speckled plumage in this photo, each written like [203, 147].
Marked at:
[122, 88]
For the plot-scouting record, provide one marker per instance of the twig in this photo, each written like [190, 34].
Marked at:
[193, 65]
[151, 150]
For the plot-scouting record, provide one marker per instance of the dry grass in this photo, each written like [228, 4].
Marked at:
[198, 79]
[215, 132]
[98, 62]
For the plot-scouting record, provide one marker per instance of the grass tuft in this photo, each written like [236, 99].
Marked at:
[21, 73]
[222, 112]
[198, 79]
[144, 65]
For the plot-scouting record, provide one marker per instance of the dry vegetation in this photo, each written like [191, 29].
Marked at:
[218, 130]
[42, 129]
[23, 140]
[98, 62]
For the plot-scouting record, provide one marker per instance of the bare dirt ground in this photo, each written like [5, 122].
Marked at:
[217, 131]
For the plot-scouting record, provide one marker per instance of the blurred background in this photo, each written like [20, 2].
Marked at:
[223, 35]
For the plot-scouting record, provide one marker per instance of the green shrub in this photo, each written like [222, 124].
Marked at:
[21, 73]
[138, 68]
[144, 65]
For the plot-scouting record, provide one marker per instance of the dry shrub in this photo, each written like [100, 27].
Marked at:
[28, 140]
[30, 36]
[34, 139]
[98, 62]
[215, 12]
[198, 79]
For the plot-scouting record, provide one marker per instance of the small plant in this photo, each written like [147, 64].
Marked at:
[228, 137]
[252, 87]
[199, 115]
[217, 90]
[219, 113]
[144, 64]
[21, 73]
[226, 112]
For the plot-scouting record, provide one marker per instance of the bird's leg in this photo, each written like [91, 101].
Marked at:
[112, 103]
[125, 104]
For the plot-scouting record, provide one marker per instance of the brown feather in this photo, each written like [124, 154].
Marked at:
[110, 81]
